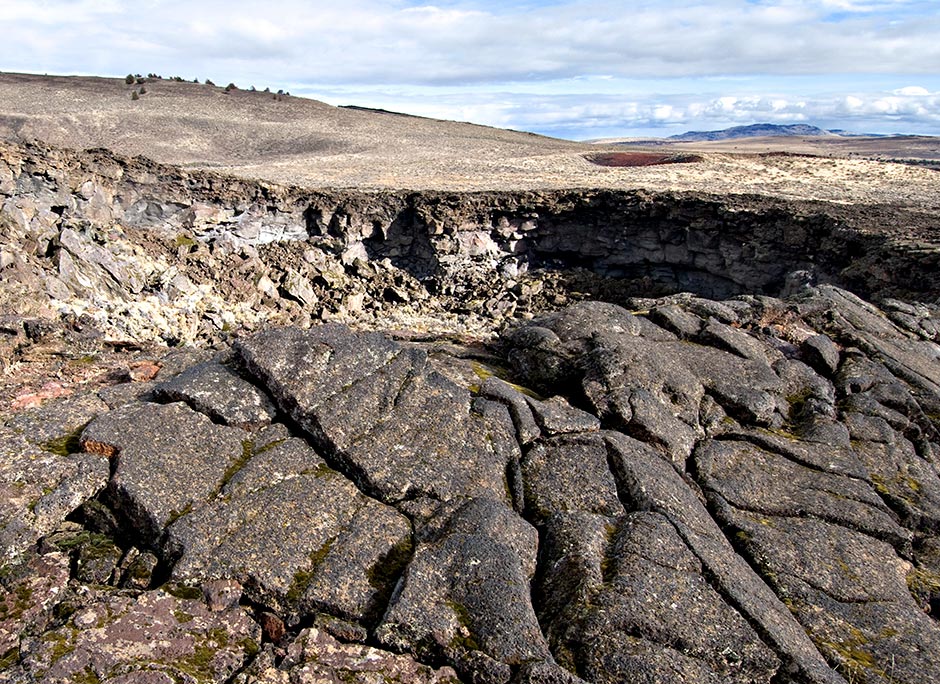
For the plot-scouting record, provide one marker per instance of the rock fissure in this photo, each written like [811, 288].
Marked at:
[770, 445]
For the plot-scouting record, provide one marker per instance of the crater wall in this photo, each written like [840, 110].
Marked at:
[93, 233]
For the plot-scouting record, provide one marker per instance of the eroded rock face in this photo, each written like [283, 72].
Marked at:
[698, 491]
[159, 253]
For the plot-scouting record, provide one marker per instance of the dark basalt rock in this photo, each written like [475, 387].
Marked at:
[215, 390]
[654, 616]
[569, 473]
[465, 595]
[298, 534]
[167, 461]
[739, 491]
[380, 411]
[745, 476]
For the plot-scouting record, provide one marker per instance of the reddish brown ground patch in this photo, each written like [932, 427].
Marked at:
[620, 159]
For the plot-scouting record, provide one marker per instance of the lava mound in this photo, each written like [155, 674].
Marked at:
[697, 490]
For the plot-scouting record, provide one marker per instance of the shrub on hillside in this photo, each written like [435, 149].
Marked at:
[135, 96]
[129, 79]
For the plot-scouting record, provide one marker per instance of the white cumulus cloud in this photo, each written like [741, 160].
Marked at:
[476, 49]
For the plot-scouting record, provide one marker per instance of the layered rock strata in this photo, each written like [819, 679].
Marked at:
[150, 252]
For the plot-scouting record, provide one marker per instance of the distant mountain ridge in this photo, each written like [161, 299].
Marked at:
[753, 131]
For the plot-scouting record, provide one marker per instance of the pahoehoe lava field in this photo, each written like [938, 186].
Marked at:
[294, 393]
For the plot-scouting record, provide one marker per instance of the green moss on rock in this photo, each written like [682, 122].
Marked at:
[390, 566]
[183, 591]
[463, 636]
[303, 576]
[66, 444]
[10, 658]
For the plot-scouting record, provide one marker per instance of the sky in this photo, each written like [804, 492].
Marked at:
[578, 69]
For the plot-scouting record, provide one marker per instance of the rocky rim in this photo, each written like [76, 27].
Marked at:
[260, 434]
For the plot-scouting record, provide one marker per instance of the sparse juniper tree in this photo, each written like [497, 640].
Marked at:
[135, 96]
[143, 90]
[129, 79]
[209, 82]
[230, 87]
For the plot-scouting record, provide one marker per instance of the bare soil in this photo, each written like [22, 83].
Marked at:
[298, 141]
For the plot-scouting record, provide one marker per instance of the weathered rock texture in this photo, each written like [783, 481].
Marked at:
[703, 491]
[145, 251]
[680, 489]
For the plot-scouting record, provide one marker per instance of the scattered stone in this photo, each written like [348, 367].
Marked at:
[822, 354]
[137, 568]
[221, 594]
[29, 593]
[154, 636]
[272, 627]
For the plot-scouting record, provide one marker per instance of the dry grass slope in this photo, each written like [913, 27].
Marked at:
[303, 142]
